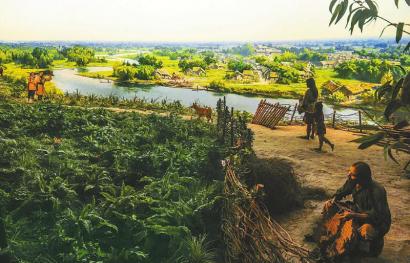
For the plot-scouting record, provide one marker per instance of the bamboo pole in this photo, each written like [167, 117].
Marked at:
[261, 113]
[279, 116]
[275, 112]
[257, 111]
[232, 127]
[360, 122]
[334, 119]
[293, 114]
[267, 114]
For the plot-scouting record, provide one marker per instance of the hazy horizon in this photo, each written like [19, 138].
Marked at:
[181, 21]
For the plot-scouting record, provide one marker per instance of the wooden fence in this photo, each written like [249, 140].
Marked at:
[268, 114]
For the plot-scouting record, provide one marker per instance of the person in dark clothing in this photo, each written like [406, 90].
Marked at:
[320, 125]
[1, 71]
[370, 215]
[308, 106]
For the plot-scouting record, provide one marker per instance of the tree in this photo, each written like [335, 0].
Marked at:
[149, 60]
[238, 65]
[124, 72]
[209, 58]
[186, 64]
[80, 55]
[42, 57]
[145, 72]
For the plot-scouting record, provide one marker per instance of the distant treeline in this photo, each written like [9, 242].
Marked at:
[39, 57]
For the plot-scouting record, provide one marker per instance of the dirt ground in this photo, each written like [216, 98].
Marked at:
[328, 170]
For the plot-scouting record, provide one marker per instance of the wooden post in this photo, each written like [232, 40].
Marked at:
[293, 114]
[224, 123]
[360, 121]
[334, 119]
[232, 127]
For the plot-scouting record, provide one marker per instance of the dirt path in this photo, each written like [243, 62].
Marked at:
[328, 170]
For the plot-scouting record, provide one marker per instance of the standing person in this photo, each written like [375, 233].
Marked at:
[31, 87]
[308, 106]
[319, 120]
[40, 91]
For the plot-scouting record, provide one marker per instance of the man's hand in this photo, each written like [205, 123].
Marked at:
[327, 205]
[347, 215]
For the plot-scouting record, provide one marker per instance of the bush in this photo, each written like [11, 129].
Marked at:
[217, 85]
[125, 72]
[281, 188]
[145, 72]
[337, 97]
[149, 60]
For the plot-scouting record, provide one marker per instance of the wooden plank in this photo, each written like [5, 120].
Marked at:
[276, 111]
[264, 114]
[268, 115]
[257, 111]
[260, 113]
[282, 111]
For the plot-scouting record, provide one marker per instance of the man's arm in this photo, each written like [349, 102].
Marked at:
[345, 190]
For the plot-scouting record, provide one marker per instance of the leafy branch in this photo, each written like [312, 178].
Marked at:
[362, 12]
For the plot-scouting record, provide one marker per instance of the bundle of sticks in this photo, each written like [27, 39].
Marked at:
[250, 234]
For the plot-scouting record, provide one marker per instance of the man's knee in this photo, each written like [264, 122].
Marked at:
[367, 232]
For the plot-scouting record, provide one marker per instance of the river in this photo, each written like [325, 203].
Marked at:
[68, 81]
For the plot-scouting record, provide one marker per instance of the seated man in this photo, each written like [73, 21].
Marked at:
[363, 225]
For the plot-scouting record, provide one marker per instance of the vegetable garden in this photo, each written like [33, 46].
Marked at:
[83, 185]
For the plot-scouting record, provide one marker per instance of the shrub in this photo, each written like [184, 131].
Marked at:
[217, 85]
[337, 97]
[145, 72]
[281, 188]
[124, 72]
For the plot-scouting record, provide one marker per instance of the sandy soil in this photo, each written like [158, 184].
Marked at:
[328, 170]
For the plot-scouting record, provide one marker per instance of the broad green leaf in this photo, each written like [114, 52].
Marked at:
[371, 5]
[401, 125]
[371, 140]
[342, 11]
[396, 89]
[408, 2]
[399, 32]
[332, 4]
[407, 48]
[355, 19]
[367, 137]
[351, 12]
[335, 14]
[397, 3]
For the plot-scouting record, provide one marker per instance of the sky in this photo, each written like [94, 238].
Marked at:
[179, 20]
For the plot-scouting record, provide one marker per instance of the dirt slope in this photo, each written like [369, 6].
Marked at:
[328, 170]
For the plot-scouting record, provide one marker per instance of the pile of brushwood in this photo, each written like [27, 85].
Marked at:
[80, 185]
[254, 189]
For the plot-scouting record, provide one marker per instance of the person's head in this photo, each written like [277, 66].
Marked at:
[311, 84]
[360, 173]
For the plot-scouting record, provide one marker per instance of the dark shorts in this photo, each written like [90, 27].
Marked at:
[31, 94]
[309, 118]
[321, 129]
